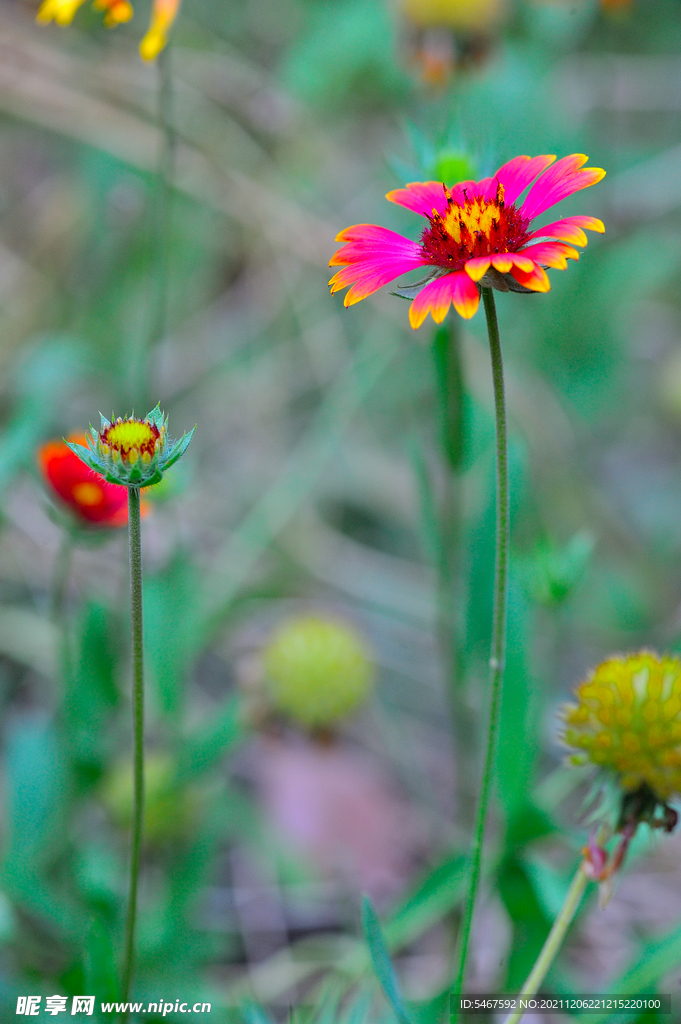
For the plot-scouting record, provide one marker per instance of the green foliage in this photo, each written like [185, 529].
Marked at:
[347, 56]
[380, 959]
[205, 286]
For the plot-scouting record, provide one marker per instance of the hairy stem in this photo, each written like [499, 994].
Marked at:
[138, 733]
[498, 651]
[554, 940]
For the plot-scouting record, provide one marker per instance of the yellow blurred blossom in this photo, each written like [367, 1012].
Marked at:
[317, 670]
[163, 14]
[63, 11]
[466, 15]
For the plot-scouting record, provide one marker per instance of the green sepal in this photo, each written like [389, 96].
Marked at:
[178, 449]
[156, 416]
[84, 454]
[410, 291]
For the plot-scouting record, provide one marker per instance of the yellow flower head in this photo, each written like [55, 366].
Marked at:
[317, 670]
[163, 14]
[131, 439]
[627, 718]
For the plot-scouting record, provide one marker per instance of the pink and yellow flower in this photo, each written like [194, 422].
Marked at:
[478, 234]
[163, 14]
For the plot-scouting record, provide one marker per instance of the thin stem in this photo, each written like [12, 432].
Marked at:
[138, 732]
[60, 578]
[554, 939]
[498, 651]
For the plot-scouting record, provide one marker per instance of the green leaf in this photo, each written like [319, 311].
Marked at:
[37, 795]
[428, 518]
[517, 748]
[380, 958]
[201, 751]
[530, 923]
[91, 694]
[450, 389]
[440, 891]
[99, 962]
[655, 960]
[480, 551]
[254, 1014]
[169, 625]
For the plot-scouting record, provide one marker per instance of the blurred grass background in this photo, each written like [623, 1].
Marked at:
[164, 235]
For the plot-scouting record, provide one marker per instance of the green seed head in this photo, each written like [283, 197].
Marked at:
[317, 670]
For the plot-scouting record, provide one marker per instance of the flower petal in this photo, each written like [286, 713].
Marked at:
[421, 197]
[502, 261]
[436, 298]
[537, 280]
[368, 276]
[561, 180]
[369, 241]
[517, 174]
[522, 261]
[477, 267]
[551, 254]
[570, 229]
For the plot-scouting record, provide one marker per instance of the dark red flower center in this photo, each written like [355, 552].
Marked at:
[476, 227]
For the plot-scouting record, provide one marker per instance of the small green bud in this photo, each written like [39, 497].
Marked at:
[132, 452]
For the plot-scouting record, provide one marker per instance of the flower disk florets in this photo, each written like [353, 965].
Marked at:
[130, 440]
[132, 452]
[475, 227]
[627, 719]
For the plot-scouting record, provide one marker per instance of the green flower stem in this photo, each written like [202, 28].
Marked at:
[498, 651]
[138, 732]
[554, 940]
[60, 578]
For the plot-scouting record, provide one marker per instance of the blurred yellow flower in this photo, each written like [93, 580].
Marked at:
[163, 14]
[446, 36]
[317, 670]
[62, 11]
[467, 15]
[627, 718]
[170, 810]
[117, 11]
